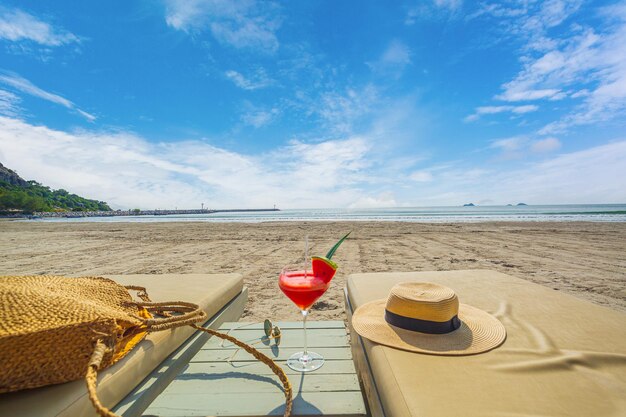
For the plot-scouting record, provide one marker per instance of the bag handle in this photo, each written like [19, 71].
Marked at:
[91, 378]
[141, 292]
[192, 314]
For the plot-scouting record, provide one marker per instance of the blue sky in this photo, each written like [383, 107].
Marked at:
[316, 103]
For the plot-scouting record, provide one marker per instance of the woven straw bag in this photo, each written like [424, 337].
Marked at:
[56, 329]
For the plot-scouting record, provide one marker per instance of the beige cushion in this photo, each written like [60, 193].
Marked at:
[562, 357]
[211, 292]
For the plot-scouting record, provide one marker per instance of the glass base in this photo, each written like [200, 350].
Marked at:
[301, 363]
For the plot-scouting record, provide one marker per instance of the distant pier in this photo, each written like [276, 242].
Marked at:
[72, 214]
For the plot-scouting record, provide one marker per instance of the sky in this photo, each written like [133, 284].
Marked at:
[316, 104]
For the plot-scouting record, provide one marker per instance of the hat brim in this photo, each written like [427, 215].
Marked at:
[479, 332]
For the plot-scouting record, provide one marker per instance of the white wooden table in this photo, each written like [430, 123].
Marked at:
[210, 386]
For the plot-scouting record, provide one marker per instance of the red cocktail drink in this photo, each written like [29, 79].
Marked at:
[302, 287]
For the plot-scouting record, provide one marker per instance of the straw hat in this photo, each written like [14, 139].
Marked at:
[427, 318]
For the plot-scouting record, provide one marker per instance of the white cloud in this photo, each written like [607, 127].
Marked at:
[246, 24]
[412, 15]
[128, 171]
[544, 15]
[606, 99]
[393, 60]
[258, 79]
[329, 164]
[422, 8]
[397, 53]
[519, 146]
[449, 4]
[545, 145]
[530, 20]
[340, 110]
[22, 84]
[546, 76]
[581, 93]
[510, 148]
[593, 175]
[9, 103]
[86, 115]
[259, 118]
[25, 86]
[500, 109]
[421, 176]
[383, 200]
[16, 26]
[521, 109]
[509, 144]
[583, 64]
[519, 91]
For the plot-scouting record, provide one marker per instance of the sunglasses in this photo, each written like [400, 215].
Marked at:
[272, 332]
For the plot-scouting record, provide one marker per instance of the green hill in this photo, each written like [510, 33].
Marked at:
[18, 195]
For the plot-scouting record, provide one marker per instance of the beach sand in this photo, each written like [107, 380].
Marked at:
[587, 260]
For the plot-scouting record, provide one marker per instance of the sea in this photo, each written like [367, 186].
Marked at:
[525, 213]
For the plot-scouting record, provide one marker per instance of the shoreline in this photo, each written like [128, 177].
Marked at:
[126, 213]
[476, 214]
[584, 259]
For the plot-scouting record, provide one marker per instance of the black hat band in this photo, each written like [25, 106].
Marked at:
[422, 326]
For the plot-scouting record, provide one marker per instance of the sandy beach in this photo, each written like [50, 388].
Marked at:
[587, 260]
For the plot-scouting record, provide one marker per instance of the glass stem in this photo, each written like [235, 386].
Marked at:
[304, 314]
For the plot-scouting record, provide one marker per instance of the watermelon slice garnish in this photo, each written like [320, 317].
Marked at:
[322, 266]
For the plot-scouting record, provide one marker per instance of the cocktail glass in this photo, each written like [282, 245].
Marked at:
[303, 288]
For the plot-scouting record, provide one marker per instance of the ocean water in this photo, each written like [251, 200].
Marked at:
[554, 213]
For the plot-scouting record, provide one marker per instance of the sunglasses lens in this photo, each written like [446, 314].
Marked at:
[267, 327]
[277, 335]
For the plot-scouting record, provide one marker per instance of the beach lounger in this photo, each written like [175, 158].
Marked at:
[562, 357]
[221, 296]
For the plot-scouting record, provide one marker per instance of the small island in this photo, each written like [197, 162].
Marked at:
[522, 204]
[469, 205]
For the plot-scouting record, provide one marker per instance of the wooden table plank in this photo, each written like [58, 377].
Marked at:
[289, 338]
[345, 366]
[213, 355]
[322, 324]
[249, 383]
[345, 404]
